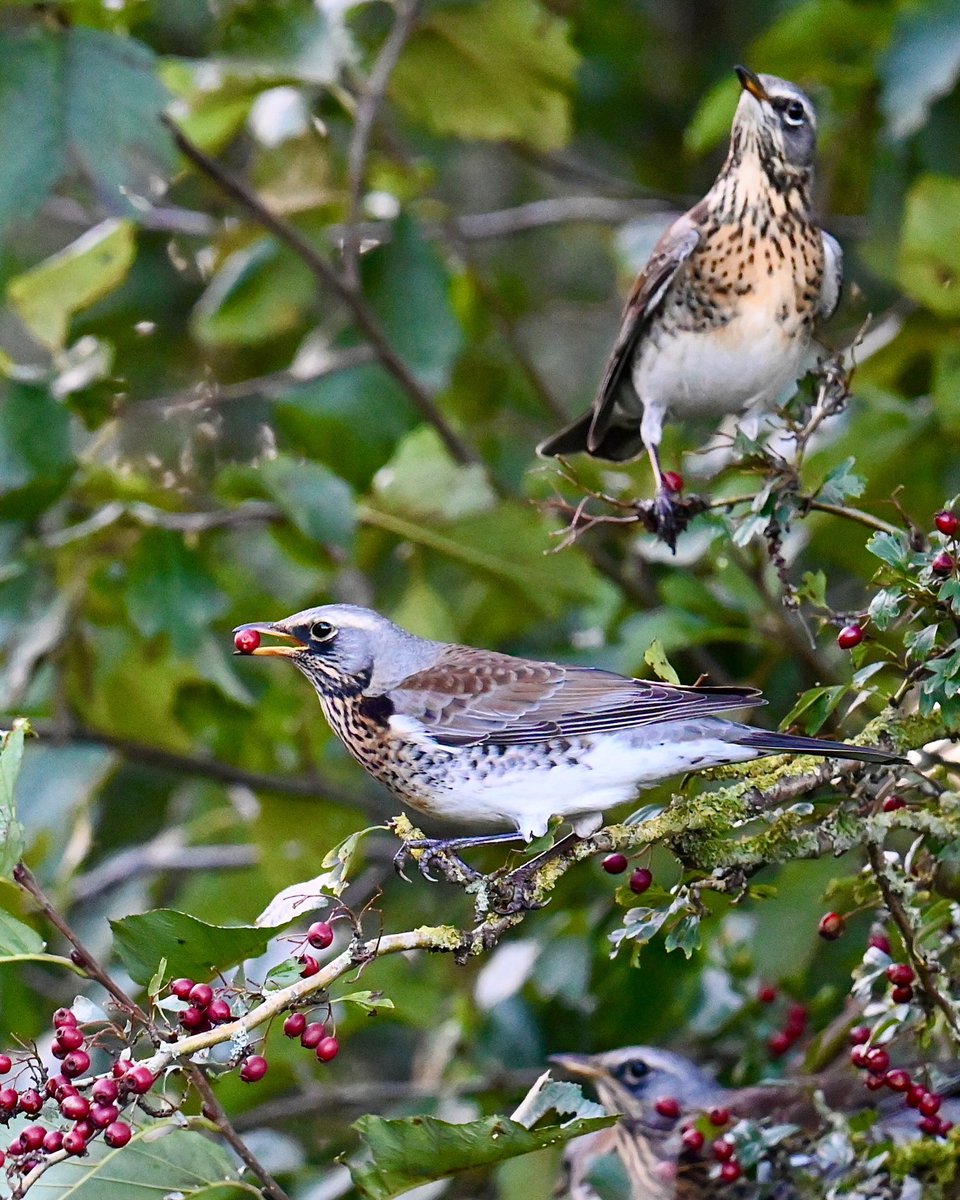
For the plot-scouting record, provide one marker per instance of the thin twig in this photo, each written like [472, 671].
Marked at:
[165, 853]
[368, 107]
[214, 1111]
[323, 271]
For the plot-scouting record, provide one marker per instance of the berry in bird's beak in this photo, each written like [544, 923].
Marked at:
[246, 641]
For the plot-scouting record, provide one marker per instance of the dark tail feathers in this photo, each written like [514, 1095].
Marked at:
[788, 743]
[618, 443]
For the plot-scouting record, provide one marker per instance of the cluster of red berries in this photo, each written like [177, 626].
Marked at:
[313, 1036]
[640, 879]
[204, 1007]
[722, 1149]
[320, 936]
[876, 1062]
[900, 976]
[98, 1111]
[794, 1027]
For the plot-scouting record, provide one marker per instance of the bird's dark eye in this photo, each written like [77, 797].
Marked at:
[322, 631]
[793, 114]
[634, 1072]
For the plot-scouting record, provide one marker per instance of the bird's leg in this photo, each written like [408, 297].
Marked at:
[512, 891]
[670, 519]
[440, 853]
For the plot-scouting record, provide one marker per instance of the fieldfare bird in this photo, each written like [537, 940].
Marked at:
[474, 736]
[720, 320]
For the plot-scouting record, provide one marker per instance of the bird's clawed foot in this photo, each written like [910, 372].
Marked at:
[668, 516]
[514, 892]
[435, 854]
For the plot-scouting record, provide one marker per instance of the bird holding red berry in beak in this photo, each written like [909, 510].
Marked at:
[474, 736]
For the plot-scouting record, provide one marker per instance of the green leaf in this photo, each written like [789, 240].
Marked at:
[885, 607]
[499, 70]
[929, 268]
[813, 587]
[280, 40]
[370, 1002]
[923, 64]
[403, 1154]
[317, 501]
[816, 704]
[49, 294]
[893, 549]
[409, 289]
[17, 938]
[656, 659]
[35, 457]
[75, 99]
[169, 591]
[842, 483]
[11, 831]
[685, 936]
[160, 1161]
[423, 481]
[191, 946]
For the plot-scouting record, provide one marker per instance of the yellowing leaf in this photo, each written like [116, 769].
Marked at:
[930, 247]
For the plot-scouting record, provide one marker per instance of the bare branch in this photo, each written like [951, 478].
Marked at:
[168, 852]
[557, 210]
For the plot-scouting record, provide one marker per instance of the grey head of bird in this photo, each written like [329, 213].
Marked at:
[342, 648]
[777, 121]
[632, 1079]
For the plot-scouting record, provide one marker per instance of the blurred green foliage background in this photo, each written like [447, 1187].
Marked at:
[194, 434]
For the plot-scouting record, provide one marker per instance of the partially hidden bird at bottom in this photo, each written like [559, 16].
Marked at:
[478, 737]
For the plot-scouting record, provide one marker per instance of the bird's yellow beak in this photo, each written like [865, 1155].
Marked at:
[751, 83]
[271, 630]
[576, 1064]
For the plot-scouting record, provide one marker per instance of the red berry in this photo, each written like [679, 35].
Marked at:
[181, 988]
[75, 1107]
[831, 926]
[943, 563]
[875, 1082]
[31, 1102]
[85, 1128]
[32, 1137]
[3, 1158]
[76, 1063]
[947, 522]
[929, 1124]
[915, 1094]
[614, 864]
[52, 1141]
[246, 640]
[16, 1147]
[897, 1080]
[902, 994]
[892, 803]
[63, 1016]
[900, 973]
[692, 1138]
[640, 880]
[103, 1115]
[719, 1116]
[731, 1171]
[320, 935]
[254, 1068]
[9, 1099]
[796, 1018]
[294, 1025]
[313, 1035]
[722, 1150]
[779, 1044]
[105, 1091]
[328, 1048]
[309, 964]
[121, 1067]
[877, 1060]
[6, 1063]
[879, 941]
[945, 1127]
[668, 1106]
[193, 1018]
[74, 1142]
[218, 1012]
[859, 1035]
[672, 481]
[117, 1134]
[200, 994]
[849, 636]
[58, 1086]
[139, 1080]
[70, 1037]
[766, 993]
[930, 1104]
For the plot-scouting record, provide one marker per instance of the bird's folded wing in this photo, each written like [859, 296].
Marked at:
[471, 696]
[673, 249]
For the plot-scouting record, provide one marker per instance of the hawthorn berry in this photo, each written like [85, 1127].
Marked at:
[915, 1094]
[52, 1141]
[779, 1043]
[640, 880]
[672, 481]
[766, 993]
[117, 1134]
[615, 864]
[731, 1171]
[668, 1106]
[879, 941]
[75, 1107]
[58, 1086]
[6, 1063]
[796, 1019]
[294, 1025]
[31, 1102]
[74, 1143]
[831, 926]
[900, 973]
[897, 1080]
[947, 522]
[875, 1082]
[902, 994]
[892, 803]
[328, 1049]
[63, 1016]
[719, 1116]
[9, 1099]
[32, 1137]
[254, 1068]
[722, 1150]
[70, 1037]
[85, 1128]
[193, 1018]
[309, 965]
[16, 1147]
[877, 1060]
[943, 563]
[181, 988]
[105, 1091]
[218, 1012]
[200, 994]
[930, 1104]
[929, 1125]
[76, 1063]
[313, 1035]
[103, 1115]
[140, 1080]
[692, 1138]
[320, 935]
[850, 636]
[246, 641]
[859, 1035]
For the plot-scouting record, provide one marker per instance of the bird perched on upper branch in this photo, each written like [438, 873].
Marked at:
[475, 736]
[720, 319]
